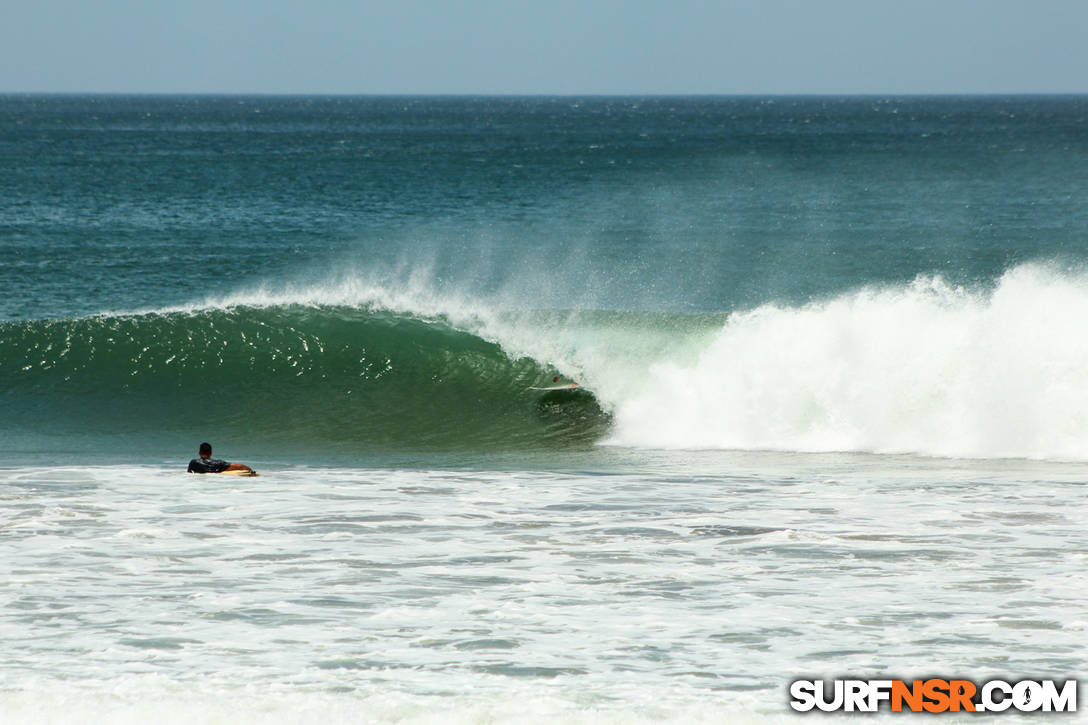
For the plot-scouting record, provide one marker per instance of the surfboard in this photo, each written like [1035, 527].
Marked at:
[238, 473]
[567, 386]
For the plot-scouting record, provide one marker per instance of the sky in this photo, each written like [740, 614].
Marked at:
[544, 46]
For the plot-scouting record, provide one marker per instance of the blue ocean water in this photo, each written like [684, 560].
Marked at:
[831, 416]
[674, 203]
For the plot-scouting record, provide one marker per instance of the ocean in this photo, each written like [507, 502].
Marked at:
[831, 421]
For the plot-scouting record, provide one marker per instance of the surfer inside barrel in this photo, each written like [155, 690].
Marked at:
[207, 464]
[558, 383]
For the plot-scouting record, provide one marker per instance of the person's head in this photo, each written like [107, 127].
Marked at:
[205, 450]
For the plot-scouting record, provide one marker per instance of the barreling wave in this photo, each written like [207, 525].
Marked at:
[304, 377]
[925, 368]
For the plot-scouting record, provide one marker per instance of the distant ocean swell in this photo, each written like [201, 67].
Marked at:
[925, 368]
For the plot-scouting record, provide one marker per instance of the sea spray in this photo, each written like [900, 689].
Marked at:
[926, 368]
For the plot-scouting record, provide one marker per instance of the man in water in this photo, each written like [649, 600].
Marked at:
[207, 464]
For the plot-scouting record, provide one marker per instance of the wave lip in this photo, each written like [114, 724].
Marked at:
[927, 368]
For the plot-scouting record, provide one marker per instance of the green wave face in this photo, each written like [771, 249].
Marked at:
[296, 378]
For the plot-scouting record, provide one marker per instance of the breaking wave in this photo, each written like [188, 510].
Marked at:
[928, 368]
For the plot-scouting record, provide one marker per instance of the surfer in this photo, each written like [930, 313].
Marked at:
[556, 385]
[207, 464]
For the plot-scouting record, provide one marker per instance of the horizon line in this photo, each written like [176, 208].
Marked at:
[363, 94]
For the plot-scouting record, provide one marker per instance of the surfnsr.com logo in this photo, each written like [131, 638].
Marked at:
[933, 695]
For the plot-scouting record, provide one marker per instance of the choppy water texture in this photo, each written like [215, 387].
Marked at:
[831, 420]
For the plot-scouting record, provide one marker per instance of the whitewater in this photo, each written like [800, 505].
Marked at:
[664, 591]
[926, 368]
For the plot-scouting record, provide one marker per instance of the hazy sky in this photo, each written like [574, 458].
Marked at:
[545, 46]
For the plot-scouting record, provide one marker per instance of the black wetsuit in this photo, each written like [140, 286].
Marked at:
[207, 465]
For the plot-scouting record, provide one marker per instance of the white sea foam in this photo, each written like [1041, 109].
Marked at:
[926, 368]
[459, 596]
[139, 699]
